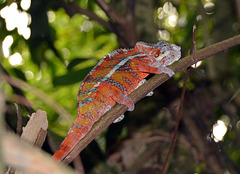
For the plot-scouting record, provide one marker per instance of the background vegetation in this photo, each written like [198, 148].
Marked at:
[63, 40]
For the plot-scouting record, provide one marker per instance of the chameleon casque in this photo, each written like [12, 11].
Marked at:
[111, 80]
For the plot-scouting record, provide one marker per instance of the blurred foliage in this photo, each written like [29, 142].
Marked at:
[63, 48]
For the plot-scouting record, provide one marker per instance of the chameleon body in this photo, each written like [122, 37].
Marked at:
[111, 80]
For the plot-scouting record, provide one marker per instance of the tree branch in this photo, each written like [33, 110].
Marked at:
[2, 132]
[109, 12]
[147, 87]
[131, 6]
[39, 94]
[20, 98]
[73, 8]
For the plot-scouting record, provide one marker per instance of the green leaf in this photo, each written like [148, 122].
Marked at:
[75, 62]
[71, 77]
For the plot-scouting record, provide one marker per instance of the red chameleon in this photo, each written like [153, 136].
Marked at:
[118, 74]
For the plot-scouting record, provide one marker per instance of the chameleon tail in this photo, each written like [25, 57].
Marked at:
[78, 130]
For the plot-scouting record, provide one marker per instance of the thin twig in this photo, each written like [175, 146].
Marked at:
[40, 95]
[2, 129]
[177, 121]
[20, 98]
[193, 48]
[19, 119]
[237, 7]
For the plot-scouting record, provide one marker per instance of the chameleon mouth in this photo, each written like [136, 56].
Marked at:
[161, 56]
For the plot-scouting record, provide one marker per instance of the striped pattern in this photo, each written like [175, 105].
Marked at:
[111, 80]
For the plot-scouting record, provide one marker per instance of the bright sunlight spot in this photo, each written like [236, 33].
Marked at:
[25, 4]
[86, 26]
[29, 75]
[51, 16]
[39, 75]
[6, 45]
[172, 20]
[16, 59]
[169, 14]
[219, 130]
[15, 18]
[197, 64]
[209, 8]
[163, 35]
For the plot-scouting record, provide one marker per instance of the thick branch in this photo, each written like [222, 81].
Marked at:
[150, 85]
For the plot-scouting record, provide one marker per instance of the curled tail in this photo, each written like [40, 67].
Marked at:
[79, 129]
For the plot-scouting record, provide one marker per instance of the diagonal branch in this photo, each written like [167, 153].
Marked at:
[150, 85]
[20, 96]
[73, 8]
[39, 94]
[109, 12]
[131, 6]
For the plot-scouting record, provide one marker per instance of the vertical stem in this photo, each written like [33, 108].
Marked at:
[19, 119]
[237, 7]
[2, 111]
[174, 137]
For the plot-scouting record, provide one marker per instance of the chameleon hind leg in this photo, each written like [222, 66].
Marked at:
[118, 96]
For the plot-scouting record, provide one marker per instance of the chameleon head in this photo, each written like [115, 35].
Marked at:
[162, 52]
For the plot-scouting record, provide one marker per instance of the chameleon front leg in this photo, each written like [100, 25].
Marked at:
[118, 96]
[156, 70]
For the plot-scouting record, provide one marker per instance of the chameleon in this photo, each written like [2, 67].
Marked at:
[111, 81]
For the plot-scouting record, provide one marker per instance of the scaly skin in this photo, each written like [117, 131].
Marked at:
[111, 80]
